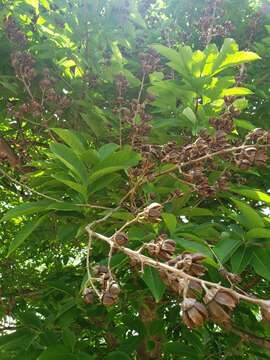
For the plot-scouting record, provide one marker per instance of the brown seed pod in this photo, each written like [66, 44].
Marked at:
[255, 134]
[88, 296]
[120, 238]
[217, 313]
[108, 299]
[194, 313]
[197, 270]
[168, 246]
[194, 289]
[260, 158]
[217, 301]
[152, 212]
[234, 278]
[114, 289]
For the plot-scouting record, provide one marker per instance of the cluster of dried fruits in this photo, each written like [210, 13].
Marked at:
[14, 34]
[110, 290]
[23, 63]
[201, 300]
[216, 303]
[150, 61]
[196, 160]
[208, 22]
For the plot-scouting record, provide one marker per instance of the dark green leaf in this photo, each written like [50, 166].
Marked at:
[152, 279]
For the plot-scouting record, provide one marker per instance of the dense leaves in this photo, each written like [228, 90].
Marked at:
[134, 125]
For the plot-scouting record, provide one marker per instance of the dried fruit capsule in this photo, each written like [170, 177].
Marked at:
[88, 296]
[108, 299]
[152, 212]
[194, 313]
[114, 289]
[120, 238]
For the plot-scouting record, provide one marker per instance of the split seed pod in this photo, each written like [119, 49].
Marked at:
[152, 213]
[194, 313]
[108, 299]
[88, 296]
[219, 301]
[114, 289]
[120, 238]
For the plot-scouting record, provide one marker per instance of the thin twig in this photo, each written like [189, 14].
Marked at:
[13, 180]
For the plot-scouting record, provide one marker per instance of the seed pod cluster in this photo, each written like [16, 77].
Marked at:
[162, 248]
[23, 64]
[190, 264]
[111, 293]
[150, 61]
[13, 32]
[109, 287]
[208, 24]
[129, 110]
[251, 156]
[219, 303]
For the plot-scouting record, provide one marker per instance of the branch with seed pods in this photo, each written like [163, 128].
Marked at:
[181, 274]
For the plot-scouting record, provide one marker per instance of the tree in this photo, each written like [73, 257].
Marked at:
[134, 179]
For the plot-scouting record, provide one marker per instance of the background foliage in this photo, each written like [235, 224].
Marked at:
[72, 74]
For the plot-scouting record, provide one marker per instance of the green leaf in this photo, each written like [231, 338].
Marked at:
[190, 115]
[244, 124]
[260, 262]
[196, 211]
[64, 206]
[119, 160]
[178, 348]
[152, 279]
[24, 233]
[229, 47]
[170, 221]
[241, 104]
[71, 160]
[63, 178]
[226, 247]
[90, 157]
[230, 56]
[17, 340]
[27, 209]
[258, 233]
[117, 355]
[94, 119]
[57, 352]
[254, 194]
[107, 150]
[251, 217]
[69, 338]
[71, 138]
[236, 91]
[240, 259]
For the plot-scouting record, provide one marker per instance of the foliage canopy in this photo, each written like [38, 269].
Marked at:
[133, 161]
